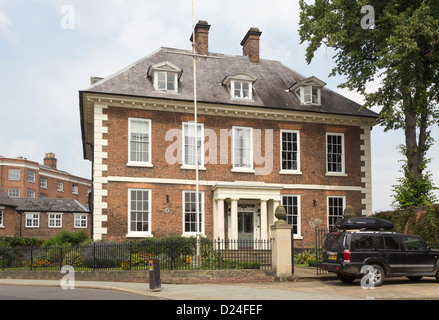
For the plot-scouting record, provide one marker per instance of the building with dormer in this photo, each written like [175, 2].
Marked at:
[265, 136]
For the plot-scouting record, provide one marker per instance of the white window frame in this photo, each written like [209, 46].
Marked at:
[342, 171]
[32, 220]
[186, 165]
[202, 213]
[14, 192]
[54, 220]
[237, 85]
[329, 223]
[2, 217]
[43, 183]
[31, 176]
[307, 96]
[31, 194]
[236, 166]
[80, 221]
[14, 174]
[134, 233]
[297, 235]
[290, 171]
[168, 74]
[75, 189]
[133, 162]
[60, 186]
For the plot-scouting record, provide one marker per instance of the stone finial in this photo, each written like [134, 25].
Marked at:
[281, 213]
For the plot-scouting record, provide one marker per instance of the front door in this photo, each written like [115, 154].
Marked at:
[245, 229]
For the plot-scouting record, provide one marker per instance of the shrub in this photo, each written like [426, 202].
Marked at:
[67, 238]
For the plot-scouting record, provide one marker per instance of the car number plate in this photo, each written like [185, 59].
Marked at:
[332, 257]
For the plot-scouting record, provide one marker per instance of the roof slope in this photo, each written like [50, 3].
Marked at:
[269, 91]
[50, 205]
[5, 200]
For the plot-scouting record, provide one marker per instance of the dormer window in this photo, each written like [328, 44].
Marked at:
[165, 81]
[165, 76]
[240, 85]
[309, 90]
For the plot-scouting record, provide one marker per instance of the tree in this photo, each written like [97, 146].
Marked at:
[394, 41]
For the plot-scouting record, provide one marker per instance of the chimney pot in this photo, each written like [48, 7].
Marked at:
[250, 45]
[201, 37]
[50, 160]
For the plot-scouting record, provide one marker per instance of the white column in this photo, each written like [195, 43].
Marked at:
[220, 219]
[233, 232]
[264, 220]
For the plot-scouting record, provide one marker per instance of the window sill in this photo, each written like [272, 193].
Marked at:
[290, 172]
[241, 170]
[186, 167]
[139, 164]
[336, 174]
[139, 235]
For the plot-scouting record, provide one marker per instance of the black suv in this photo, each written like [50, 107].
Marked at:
[372, 253]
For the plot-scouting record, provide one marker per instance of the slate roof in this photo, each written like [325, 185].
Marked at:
[5, 200]
[50, 205]
[269, 91]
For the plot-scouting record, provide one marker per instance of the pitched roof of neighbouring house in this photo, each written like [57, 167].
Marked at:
[269, 91]
[50, 205]
[5, 200]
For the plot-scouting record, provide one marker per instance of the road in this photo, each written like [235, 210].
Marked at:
[393, 289]
[11, 292]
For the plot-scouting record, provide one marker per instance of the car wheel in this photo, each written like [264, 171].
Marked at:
[345, 278]
[437, 276]
[375, 276]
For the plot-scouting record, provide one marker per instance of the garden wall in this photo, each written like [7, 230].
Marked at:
[142, 276]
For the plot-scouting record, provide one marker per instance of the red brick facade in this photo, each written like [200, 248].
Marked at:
[30, 179]
[167, 207]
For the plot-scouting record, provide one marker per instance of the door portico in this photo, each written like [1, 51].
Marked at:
[244, 211]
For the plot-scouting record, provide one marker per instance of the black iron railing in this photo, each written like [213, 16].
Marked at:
[185, 254]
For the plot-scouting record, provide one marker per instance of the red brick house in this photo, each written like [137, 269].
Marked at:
[41, 218]
[23, 178]
[266, 136]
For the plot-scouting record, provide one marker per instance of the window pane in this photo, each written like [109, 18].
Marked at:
[190, 221]
[242, 148]
[139, 140]
[335, 153]
[139, 210]
[289, 151]
[291, 206]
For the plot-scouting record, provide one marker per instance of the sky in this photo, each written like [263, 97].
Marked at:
[49, 49]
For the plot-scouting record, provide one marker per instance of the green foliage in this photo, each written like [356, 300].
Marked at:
[400, 50]
[67, 238]
[19, 242]
[421, 221]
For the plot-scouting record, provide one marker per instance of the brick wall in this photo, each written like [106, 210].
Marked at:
[313, 168]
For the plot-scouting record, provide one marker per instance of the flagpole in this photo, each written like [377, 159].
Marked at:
[197, 196]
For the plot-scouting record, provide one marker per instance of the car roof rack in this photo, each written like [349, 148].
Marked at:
[364, 224]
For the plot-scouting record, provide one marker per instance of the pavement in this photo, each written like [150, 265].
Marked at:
[206, 291]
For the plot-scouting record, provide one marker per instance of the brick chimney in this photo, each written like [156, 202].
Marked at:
[50, 160]
[201, 37]
[250, 45]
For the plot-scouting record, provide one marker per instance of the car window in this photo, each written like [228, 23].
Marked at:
[333, 242]
[388, 242]
[362, 242]
[412, 243]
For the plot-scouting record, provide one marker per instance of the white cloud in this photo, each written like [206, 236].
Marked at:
[5, 28]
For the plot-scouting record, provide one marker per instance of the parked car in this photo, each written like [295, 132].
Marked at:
[365, 248]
